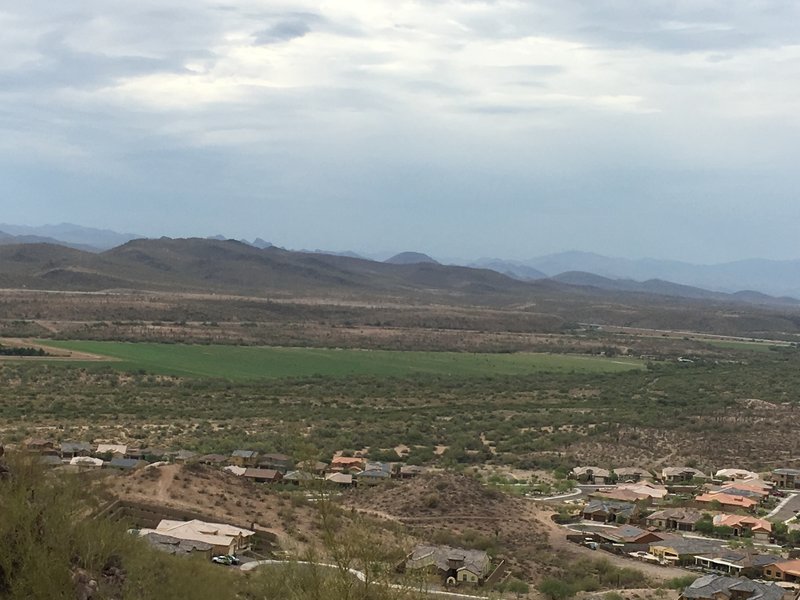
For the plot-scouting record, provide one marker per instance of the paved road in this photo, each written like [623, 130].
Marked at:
[788, 510]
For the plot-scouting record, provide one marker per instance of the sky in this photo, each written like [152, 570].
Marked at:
[460, 128]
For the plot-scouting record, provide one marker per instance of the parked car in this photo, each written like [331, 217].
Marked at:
[225, 559]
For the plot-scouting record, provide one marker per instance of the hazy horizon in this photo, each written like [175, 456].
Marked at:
[462, 129]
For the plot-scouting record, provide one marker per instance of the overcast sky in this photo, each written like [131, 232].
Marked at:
[459, 128]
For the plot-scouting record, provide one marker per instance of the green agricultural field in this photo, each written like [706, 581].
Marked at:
[241, 363]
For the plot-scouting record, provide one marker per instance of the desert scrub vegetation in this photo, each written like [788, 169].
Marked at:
[590, 575]
[547, 421]
[53, 548]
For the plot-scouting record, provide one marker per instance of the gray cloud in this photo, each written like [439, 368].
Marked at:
[493, 128]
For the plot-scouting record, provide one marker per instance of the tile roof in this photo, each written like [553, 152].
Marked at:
[711, 586]
[476, 561]
[681, 515]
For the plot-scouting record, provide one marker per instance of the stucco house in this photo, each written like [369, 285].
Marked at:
[454, 565]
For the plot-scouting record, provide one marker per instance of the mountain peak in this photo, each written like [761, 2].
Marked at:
[410, 258]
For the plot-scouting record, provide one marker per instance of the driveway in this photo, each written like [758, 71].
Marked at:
[787, 509]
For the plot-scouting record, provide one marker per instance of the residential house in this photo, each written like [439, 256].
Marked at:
[679, 550]
[87, 462]
[343, 479]
[681, 474]
[409, 471]
[735, 562]
[347, 463]
[177, 546]
[73, 449]
[262, 475]
[224, 539]
[298, 477]
[214, 460]
[279, 462]
[726, 501]
[784, 570]
[313, 466]
[591, 475]
[734, 475]
[234, 470]
[754, 488]
[40, 445]
[759, 529]
[182, 457]
[627, 534]
[375, 472]
[244, 458]
[454, 565]
[633, 492]
[51, 460]
[125, 464]
[680, 519]
[608, 511]
[721, 587]
[631, 474]
[111, 450]
[147, 454]
[787, 478]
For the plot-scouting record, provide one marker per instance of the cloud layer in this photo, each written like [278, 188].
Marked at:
[457, 127]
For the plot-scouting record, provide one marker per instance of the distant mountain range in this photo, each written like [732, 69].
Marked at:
[67, 234]
[755, 280]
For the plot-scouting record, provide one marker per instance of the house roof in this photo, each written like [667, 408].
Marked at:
[214, 458]
[261, 474]
[631, 471]
[216, 534]
[594, 471]
[625, 533]
[112, 448]
[735, 474]
[173, 545]
[313, 465]
[788, 566]
[795, 472]
[727, 500]
[244, 453]
[753, 523]
[740, 559]
[476, 561]
[680, 471]
[684, 546]
[712, 586]
[124, 463]
[185, 454]
[86, 461]
[276, 457]
[621, 495]
[688, 516]
[75, 447]
[624, 509]
[233, 469]
[36, 442]
[343, 478]
[298, 476]
[375, 473]
[51, 460]
[347, 460]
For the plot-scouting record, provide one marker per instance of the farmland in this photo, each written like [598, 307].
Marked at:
[250, 363]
